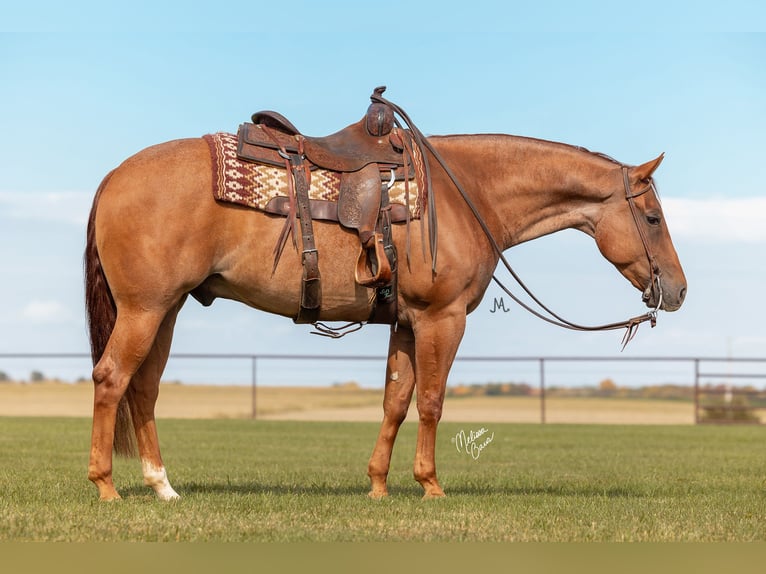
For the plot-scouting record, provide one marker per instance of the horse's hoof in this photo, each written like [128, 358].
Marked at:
[433, 495]
[377, 494]
[110, 497]
[169, 497]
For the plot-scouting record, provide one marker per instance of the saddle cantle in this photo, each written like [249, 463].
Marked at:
[369, 156]
[348, 150]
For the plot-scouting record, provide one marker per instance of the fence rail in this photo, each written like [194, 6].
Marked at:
[699, 368]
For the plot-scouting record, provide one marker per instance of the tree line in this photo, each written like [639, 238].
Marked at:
[608, 388]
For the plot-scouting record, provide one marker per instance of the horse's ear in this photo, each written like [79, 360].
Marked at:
[645, 171]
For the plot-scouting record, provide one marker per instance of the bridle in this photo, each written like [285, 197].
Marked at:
[654, 268]
[630, 325]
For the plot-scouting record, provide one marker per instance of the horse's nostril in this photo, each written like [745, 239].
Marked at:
[682, 294]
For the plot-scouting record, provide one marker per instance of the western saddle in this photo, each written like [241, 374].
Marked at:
[370, 155]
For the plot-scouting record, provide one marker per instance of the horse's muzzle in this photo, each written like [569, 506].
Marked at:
[664, 296]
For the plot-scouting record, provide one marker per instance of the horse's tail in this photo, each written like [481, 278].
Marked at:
[102, 315]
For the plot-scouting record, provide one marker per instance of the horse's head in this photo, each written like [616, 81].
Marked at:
[632, 234]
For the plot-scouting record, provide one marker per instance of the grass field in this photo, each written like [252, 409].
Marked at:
[245, 480]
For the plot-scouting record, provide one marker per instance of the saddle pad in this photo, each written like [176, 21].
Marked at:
[255, 185]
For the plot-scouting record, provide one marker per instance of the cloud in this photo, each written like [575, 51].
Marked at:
[733, 220]
[61, 206]
[46, 311]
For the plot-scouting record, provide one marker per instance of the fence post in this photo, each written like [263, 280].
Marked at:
[696, 391]
[542, 391]
[253, 380]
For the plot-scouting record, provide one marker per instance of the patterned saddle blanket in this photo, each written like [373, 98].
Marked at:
[265, 187]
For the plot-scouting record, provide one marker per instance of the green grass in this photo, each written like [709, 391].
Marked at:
[285, 481]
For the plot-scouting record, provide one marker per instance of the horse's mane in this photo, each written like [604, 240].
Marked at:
[538, 141]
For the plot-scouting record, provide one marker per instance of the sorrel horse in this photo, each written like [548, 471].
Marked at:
[156, 234]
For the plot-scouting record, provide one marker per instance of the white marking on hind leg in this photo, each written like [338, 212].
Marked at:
[157, 478]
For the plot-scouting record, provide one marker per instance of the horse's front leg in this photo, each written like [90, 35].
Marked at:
[436, 341]
[400, 381]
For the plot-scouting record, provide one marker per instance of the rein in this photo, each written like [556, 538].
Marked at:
[631, 325]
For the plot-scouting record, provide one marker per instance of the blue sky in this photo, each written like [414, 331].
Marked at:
[84, 88]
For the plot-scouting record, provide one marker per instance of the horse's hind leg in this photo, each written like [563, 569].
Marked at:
[129, 344]
[142, 397]
[400, 381]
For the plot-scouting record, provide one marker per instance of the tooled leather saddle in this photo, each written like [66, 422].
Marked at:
[370, 155]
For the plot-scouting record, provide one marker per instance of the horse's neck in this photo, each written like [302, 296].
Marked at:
[529, 188]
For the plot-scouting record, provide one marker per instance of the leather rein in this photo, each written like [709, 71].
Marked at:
[630, 325]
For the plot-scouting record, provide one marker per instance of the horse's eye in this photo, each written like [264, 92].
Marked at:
[653, 219]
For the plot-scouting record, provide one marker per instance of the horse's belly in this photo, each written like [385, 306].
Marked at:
[337, 304]
[250, 276]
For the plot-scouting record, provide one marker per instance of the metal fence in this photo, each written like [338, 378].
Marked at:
[712, 378]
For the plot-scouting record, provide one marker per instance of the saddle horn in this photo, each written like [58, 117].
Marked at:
[380, 117]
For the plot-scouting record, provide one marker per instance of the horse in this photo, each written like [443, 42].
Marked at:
[156, 234]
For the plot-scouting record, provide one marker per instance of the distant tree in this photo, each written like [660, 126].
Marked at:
[36, 376]
[493, 389]
[4, 378]
[607, 387]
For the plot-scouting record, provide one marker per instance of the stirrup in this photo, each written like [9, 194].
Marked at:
[369, 272]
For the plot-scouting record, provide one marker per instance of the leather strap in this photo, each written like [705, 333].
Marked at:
[420, 142]
[311, 287]
[386, 298]
[328, 210]
[654, 268]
